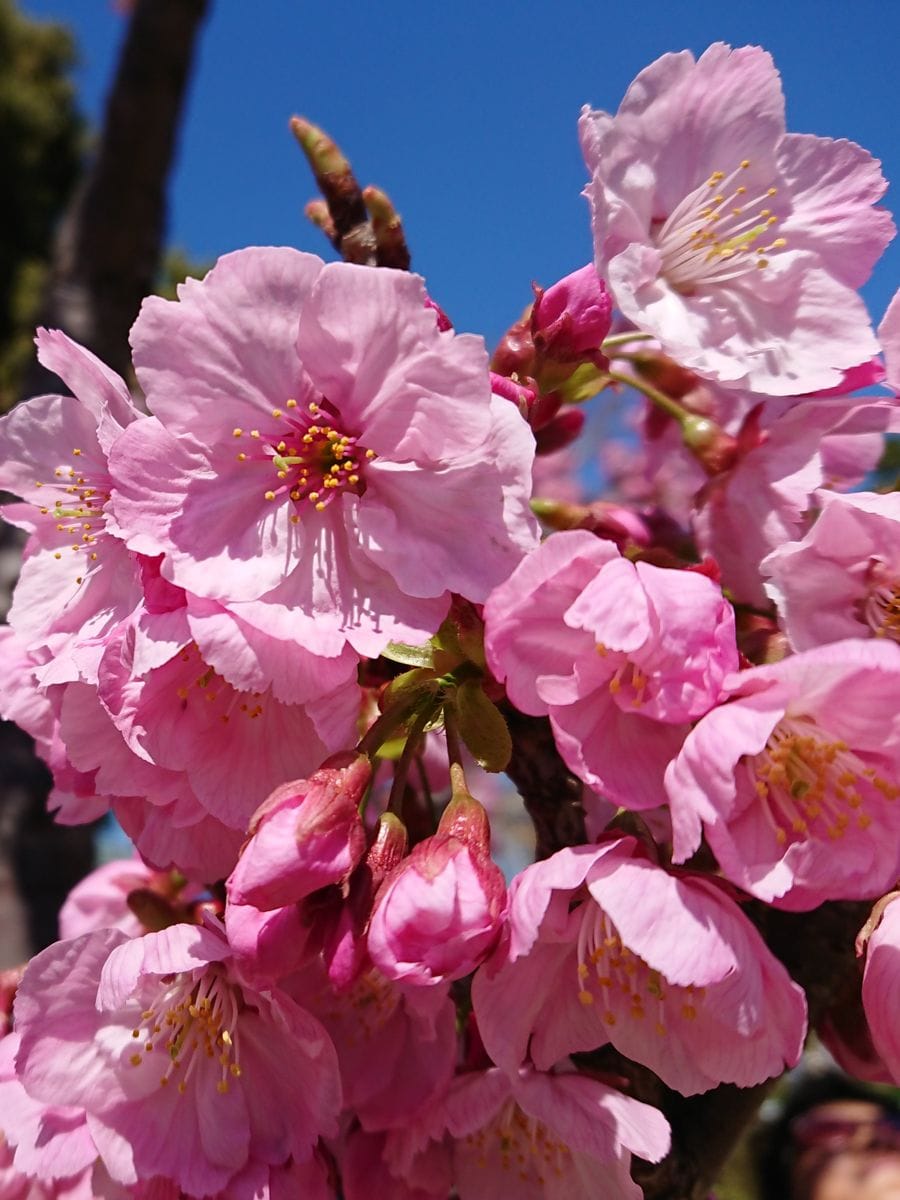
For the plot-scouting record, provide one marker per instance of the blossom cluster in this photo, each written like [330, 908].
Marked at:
[251, 602]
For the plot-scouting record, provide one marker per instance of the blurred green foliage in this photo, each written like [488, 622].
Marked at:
[41, 143]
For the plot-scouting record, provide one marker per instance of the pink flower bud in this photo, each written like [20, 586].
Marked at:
[307, 835]
[440, 911]
[560, 432]
[570, 319]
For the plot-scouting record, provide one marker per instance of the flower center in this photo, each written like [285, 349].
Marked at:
[881, 609]
[522, 1144]
[809, 784]
[219, 698]
[191, 1020]
[621, 983]
[718, 232]
[78, 508]
[313, 459]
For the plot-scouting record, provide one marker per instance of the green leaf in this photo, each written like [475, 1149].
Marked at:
[410, 656]
[482, 728]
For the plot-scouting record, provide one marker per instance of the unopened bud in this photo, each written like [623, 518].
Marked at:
[515, 353]
[389, 847]
[388, 230]
[715, 450]
[570, 319]
[317, 213]
[560, 432]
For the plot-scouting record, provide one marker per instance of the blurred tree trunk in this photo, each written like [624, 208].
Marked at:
[110, 241]
[105, 261]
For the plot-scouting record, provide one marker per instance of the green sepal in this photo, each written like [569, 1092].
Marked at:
[482, 728]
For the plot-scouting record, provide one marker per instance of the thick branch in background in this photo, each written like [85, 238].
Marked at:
[110, 242]
[105, 262]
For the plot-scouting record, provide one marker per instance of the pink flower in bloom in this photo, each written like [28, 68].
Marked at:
[881, 988]
[604, 946]
[889, 336]
[765, 498]
[179, 714]
[620, 655]
[843, 579]
[544, 1137]
[439, 912]
[397, 1046]
[184, 1071]
[321, 445]
[78, 580]
[737, 245]
[794, 777]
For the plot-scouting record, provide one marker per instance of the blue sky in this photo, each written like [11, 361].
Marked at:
[465, 113]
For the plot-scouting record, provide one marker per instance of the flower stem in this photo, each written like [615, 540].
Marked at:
[660, 399]
[401, 770]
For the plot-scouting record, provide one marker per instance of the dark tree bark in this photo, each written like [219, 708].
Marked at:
[106, 260]
[110, 242]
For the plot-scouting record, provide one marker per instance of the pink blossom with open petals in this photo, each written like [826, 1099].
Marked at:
[737, 245]
[766, 497]
[318, 444]
[542, 1136]
[622, 656]
[843, 578]
[78, 579]
[121, 1027]
[397, 1046]
[881, 988]
[232, 746]
[605, 946]
[794, 778]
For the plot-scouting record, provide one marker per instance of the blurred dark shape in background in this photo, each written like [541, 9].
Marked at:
[81, 245]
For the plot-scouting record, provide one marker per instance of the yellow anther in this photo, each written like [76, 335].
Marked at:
[291, 404]
[281, 447]
[270, 495]
[745, 163]
[773, 191]
[136, 1060]
[295, 520]
[254, 433]
[242, 457]
[237, 431]
[585, 997]
[57, 555]
[308, 439]
[320, 507]
[353, 479]
[76, 452]
[313, 496]
[276, 413]
[370, 454]
[761, 263]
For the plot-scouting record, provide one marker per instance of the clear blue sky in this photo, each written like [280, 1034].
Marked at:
[465, 112]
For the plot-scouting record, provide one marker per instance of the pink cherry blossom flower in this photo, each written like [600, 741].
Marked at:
[794, 778]
[604, 946]
[179, 714]
[620, 655]
[397, 1047]
[184, 1070]
[843, 578]
[439, 912]
[765, 498]
[321, 446]
[539, 1136]
[881, 981]
[889, 336]
[78, 580]
[735, 244]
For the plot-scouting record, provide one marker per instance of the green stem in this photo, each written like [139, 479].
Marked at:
[383, 727]
[660, 399]
[401, 770]
[454, 751]
[622, 339]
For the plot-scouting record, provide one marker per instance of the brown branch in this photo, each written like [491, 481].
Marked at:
[551, 793]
